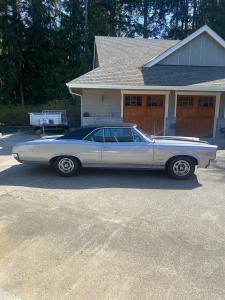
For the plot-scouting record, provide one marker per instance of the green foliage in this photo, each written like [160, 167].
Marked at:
[17, 115]
[44, 44]
[187, 16]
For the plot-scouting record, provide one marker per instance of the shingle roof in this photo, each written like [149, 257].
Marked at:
[184, 76]
[129, 51]
[121, 60]
[122, 74]
[159, 75]
[116, 54]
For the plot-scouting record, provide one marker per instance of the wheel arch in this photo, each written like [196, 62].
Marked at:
[54, 158]
[194, 159]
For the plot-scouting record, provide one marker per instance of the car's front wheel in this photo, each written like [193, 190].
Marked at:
[181, 167]
[67, 166]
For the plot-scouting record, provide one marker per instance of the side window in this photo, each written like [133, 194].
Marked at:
[96, 136]
[108, 136]
[119, 135]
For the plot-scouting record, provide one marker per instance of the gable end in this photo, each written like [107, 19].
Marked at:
[203, 50]
[214, 45]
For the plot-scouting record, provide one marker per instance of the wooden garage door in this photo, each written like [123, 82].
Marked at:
[147, 111]
[195, 115]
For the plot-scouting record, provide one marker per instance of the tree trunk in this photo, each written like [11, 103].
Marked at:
[145, 29]
[176, 21]
[112, 15]
[21, 94]
[86, 15]
[186, 17]
[194, 15]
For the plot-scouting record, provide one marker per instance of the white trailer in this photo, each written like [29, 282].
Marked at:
[49, 119]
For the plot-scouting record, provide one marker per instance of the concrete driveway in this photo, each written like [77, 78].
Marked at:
[110, 234]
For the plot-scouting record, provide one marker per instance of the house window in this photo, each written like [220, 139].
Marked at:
[206, 102]
[133, 101]
[186, 101]
[154, 101]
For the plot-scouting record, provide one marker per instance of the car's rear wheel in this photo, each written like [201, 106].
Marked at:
[181, 167]
[67, 166]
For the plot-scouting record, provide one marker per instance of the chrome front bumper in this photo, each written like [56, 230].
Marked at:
[210, 161]
[16, 156]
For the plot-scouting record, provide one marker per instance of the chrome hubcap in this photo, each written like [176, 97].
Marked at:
[181, 168]
[66, 165]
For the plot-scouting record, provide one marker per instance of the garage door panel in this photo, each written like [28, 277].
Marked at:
[186, 127]
[149, 116]
[195, 116]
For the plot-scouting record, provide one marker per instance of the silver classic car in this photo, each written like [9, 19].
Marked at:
[121, 146]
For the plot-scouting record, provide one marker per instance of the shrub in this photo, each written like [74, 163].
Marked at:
[13, 115]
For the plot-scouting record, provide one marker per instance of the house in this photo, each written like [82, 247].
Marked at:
[166, 87]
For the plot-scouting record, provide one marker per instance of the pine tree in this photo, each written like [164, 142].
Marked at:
[11, 58]
[149, 17]
[44, 44]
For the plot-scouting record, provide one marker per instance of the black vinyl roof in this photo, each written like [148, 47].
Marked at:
[80, 133]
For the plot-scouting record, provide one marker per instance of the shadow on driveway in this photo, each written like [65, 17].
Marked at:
[9, 140]
[46, 178]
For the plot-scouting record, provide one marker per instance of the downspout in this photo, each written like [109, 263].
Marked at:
[76, 94]
[72, 93]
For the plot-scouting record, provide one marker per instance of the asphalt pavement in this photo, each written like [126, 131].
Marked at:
[110, 234]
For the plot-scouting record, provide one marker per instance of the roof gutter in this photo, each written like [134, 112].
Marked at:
[138, 87]
[72, 93]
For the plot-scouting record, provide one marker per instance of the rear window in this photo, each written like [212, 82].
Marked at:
[96, 136]
[77, 134]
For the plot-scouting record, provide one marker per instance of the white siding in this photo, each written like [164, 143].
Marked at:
[102, 106]
[201, 51]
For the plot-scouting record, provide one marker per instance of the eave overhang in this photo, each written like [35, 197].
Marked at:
[138, 87]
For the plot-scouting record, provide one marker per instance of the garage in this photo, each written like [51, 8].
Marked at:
[147, 111]
[195, 115]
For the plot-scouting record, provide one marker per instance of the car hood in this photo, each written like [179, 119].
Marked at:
[180, 140]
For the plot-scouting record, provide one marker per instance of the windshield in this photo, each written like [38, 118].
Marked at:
[145, 135]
